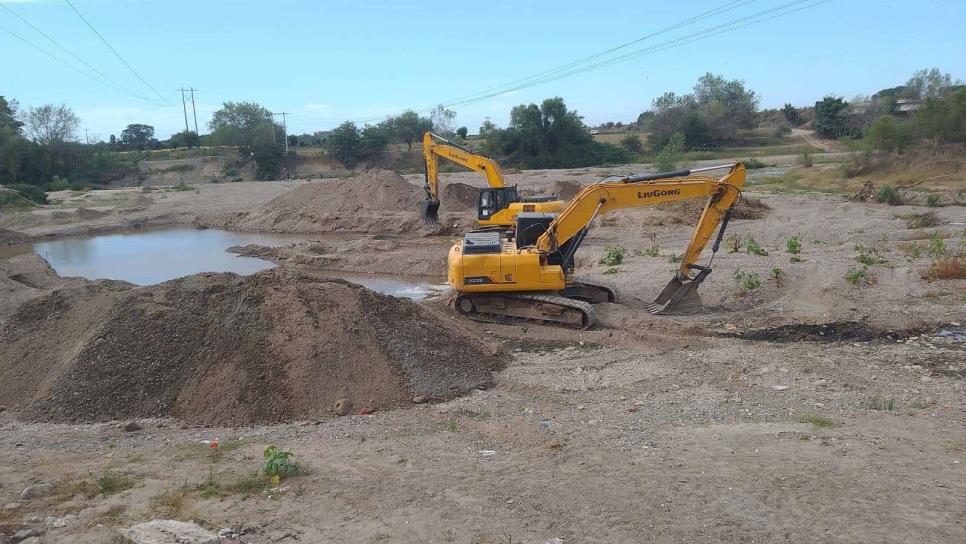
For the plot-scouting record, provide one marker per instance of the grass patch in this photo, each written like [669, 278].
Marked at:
[887, 194]
[921, 220]
[753, 248]
[881, 405]
[11, 201]
[858, 276]
[613, 256]
[182, 186]
[950, 267]
[110, 482]
[932, 200]
[819, 421]
[319, 249]
[869, 256]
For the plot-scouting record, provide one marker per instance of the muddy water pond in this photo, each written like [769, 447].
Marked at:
[149, 257]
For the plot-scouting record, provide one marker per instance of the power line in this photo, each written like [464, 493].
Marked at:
[118, 55]
[700, 17]
[107, 79]
[69, 65]
[695, 36]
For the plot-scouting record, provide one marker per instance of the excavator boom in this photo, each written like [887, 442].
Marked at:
[482, 267]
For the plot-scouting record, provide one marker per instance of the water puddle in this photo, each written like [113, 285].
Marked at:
[155, 256]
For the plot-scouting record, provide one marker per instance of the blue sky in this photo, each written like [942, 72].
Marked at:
[329, 61]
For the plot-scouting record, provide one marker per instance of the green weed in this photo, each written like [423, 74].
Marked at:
[932, 201]
[937, 246]
[613, 256]
[793, 245]
[821, 422]
[672, 258]
[611, 270]
[746, 281]
[887, 194]
[778, 275]
[869, 256]
[921, 220]
[881, 405]
[182, 186]
[279, 463]
[753, 248]
[857, 275]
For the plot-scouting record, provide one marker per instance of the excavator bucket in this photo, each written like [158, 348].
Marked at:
[429, 211]
[679, 297]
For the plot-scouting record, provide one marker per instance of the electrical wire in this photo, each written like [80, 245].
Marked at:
[102, 76]
[118, 55]
[69, 65]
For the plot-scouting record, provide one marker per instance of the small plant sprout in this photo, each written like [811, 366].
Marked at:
[869, 256]
[753, 248]
[613, 256]
[673, 258]
[279, 464]
[857, 275]
[777, 275]
[655, 249]
[794, 245]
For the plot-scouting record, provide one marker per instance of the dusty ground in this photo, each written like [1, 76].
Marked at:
[750, 423]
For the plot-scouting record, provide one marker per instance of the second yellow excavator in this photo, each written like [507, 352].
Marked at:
[531, 277]
[497, 206]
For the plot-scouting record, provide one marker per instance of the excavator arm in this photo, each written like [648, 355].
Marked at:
[565, 233]
[434, 147]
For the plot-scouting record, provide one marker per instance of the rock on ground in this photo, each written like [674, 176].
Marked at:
[169, 531]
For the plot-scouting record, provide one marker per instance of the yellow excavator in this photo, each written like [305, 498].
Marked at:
[530, 276]
[497, 206]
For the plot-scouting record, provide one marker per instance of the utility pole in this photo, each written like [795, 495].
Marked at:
[86, 137]
[284, 127]
[184, 106]
[193, 111]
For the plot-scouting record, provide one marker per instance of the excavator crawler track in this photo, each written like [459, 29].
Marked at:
[592, 290]
[526, 307]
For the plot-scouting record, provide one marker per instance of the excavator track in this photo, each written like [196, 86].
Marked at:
[592, 290]
[526, 307]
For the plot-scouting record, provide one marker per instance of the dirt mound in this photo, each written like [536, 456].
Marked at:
[566, 189]
[377, 201]
[459, 197]
[10, 237]
[225, 349]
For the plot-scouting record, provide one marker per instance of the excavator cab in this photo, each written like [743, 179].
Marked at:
[494, 199]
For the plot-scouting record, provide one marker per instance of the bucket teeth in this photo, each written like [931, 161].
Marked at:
[679, 297]
[429, 211]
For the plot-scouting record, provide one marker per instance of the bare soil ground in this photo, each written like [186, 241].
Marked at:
[807, 408]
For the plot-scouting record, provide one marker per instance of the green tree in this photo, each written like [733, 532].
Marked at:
[791, 115]
[407, 127]
[8, 117]
[344, 144]
[462, 132]
[243, 124]
[929, 83]
[890, 134]
[726, 105]
[632, 143]
[443, 120]
[672, 154]
[487, 128]
[373, 144]
[50, 124]
[185, 138]
[832, 117]
[137, 136]
[944, 119]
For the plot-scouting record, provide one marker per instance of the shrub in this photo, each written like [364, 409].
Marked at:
[613, 256]
[857, 275]
[887, 194]
[794, 245]
[58, 183]
[922, 220]
[932, 200]
[671, 155]
[869, 256]
[937, 246]
[30, 192]
[746, 281]
[753, 164]
[11, 201]
[632, 143]
[752, 247]
[278, 464]
[805, 159]
[951, 267]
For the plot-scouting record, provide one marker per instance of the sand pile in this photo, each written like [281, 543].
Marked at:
[225, 349]
[566, 189]
[459, 197]
[377, 201]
